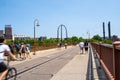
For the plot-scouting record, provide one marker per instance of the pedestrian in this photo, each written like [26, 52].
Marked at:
[65, 45]
[11, 45]
[23, 50]
[60, 44]
[86, 46]
[4, 49]
[17, 47]
[28, 51]
[81, 45]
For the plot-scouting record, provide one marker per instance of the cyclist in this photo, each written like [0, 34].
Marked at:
[4, 49]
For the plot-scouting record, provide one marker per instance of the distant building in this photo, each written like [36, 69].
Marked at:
[20, 37]
[1, 33]
[115, 38]
[42, 38]
[66, 38]
[8, 32]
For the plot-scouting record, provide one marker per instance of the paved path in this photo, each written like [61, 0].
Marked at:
[76, 69]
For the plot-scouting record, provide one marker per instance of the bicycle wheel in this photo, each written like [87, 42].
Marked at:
[11, 74]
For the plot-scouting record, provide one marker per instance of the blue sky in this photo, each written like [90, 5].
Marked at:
[79, 16]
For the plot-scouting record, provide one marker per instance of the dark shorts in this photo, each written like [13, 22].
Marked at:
[3, 67]
[86, 48]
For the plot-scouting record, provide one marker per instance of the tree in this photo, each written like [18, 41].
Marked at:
[107, 41]
[97, 38]
[81, 39]
[74, 39]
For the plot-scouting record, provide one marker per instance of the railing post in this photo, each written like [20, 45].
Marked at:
[115, 44]
[114, 60]
[100, 52]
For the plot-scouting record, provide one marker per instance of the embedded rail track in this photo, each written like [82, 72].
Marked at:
[69, 52]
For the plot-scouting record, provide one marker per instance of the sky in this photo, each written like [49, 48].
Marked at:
[79, 17]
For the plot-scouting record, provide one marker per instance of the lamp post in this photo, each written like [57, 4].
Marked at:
[36, 23]
[88, 33]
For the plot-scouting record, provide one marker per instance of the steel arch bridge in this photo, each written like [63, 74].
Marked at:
[61, 27]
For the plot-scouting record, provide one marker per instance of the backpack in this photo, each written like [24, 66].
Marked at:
[23, 49]
[17, 46]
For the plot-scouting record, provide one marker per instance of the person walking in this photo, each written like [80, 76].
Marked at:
[81, 45]
[17, 47]
[60, 44]
[65, 45]
[86, 46]
[4, 49]
[11, 45]
[23, 50]
[28, 51]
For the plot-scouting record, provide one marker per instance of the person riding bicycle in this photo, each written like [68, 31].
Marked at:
[4, 49]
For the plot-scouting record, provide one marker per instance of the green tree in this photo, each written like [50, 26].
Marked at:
[107, 41]
[81, 39]
[97, 38]
[74, 39]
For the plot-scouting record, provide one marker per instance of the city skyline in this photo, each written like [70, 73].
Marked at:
[78, 16]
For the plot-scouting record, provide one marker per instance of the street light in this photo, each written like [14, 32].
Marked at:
[88, 33]
[36, 23]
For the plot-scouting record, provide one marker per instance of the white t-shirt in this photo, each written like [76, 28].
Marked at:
[3, 48]
[81, 44]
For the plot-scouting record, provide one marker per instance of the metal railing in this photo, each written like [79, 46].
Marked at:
[109, 57]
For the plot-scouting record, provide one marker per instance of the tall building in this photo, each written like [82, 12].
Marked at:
[103, 30]
[8, 32]
[1, 33]
[109, 30]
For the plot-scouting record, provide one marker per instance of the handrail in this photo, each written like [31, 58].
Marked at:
[109, 57]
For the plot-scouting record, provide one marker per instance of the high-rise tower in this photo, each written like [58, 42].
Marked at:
[1, 33]
[8, 32]
[103, 30]
[109, 30]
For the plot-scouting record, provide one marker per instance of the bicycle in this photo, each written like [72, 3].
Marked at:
[12, 72]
